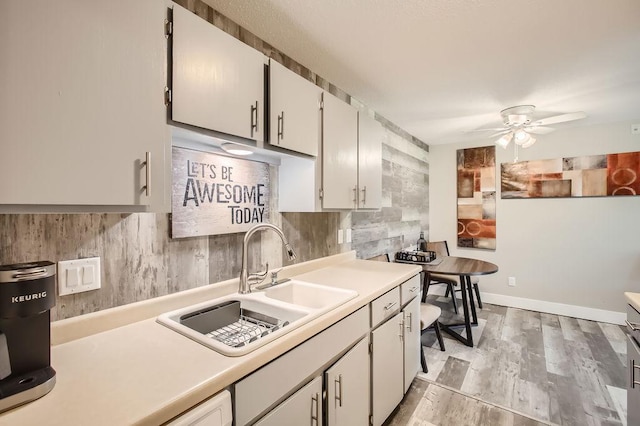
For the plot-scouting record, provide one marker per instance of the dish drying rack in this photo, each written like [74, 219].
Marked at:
[245, 330]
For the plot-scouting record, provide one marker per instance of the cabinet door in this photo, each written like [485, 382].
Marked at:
[370, 137]
[633, 390]
[348, 388]
[215, 411]
[339, 153]
[411, 314]
[294, 111]
[386, 368]
[82, 103]
[218, 81]
[302, 408]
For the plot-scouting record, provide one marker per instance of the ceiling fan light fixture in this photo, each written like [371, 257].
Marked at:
[521, 137]
[504, 140]
[530, 142]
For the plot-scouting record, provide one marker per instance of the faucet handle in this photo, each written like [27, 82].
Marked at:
[258, 277]
[274, 276]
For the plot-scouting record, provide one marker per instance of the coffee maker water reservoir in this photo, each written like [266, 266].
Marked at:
[27, 294]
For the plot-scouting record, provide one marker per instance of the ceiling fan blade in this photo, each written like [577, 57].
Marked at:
[504, 132]
[539, 130]
[559, 118]
[488, 130]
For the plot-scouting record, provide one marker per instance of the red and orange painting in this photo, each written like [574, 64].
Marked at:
[477, 197]
[587, 176]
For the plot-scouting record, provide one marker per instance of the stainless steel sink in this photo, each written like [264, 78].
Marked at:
[237, 324]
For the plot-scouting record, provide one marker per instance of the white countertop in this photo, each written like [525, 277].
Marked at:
[120, 367]
[633, 299]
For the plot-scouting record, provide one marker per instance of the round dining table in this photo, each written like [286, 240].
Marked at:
[464, 268]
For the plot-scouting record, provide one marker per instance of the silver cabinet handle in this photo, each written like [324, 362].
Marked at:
[633, 326]
[401, 335]
[254, 118]
[147, 165]
[364, 195]
[410, 315]
[413, 289]
[281, 126]
[633, 381]
[390, 305]
[338, 396]
[314, 402]
[355, 195]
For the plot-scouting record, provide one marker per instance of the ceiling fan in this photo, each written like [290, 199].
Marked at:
[519, 125]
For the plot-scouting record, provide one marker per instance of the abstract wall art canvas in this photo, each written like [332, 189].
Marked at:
[588, 176]
[477, 197]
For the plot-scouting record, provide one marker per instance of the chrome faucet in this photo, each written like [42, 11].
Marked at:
[244, 286]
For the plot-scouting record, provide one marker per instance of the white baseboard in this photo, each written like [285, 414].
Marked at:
[582, 312]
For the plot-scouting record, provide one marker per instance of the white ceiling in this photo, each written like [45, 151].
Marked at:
[438, 68]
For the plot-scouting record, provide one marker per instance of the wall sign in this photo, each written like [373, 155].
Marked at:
[214, 194]
[477, 197]
[587, 176]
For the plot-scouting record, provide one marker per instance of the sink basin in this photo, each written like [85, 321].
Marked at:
[309, 295]
[237, 324]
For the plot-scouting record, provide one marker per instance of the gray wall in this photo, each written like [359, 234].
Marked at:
[573, 251]
[140, 261]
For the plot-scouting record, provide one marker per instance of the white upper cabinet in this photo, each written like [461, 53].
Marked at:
[370, 137]
[82, 104]
[347, 174]
[339, 154]
[294, 111]
[217, 81]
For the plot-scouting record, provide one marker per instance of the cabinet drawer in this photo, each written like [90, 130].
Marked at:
[385, 306]
[409, 289]
[263, 388]
[633, 322]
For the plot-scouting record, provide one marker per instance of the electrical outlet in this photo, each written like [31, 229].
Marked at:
[635, 129]
[512, 281]
[348, 235]
[340, 236]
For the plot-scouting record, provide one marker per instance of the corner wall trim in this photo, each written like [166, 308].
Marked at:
[574, 311]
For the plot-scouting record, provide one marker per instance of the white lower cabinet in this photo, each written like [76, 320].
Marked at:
[302, 408]
[259, 392]
[367, 361]
[216, 411]
[348, 384]
[387, 368]
[411, 314]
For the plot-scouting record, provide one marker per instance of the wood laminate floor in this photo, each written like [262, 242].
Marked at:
[527, 368]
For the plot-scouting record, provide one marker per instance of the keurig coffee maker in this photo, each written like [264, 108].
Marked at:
[27, 293]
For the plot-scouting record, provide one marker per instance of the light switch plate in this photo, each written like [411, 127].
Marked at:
[76, 276]
[340, 236]
[348, 235]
